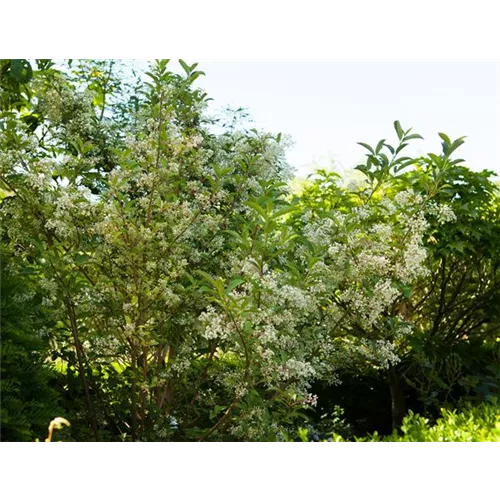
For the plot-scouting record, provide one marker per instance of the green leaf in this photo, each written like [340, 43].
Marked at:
[367, 147]
[284, 211]
[445, 138]
[234, 283]
[390, 148]
[404, 158]
[242, 164]
[456, 144]
[257, 208]
[385, 160]
[152, 76]
[194, 76]
[436, 159]
[219, 286]
[403, 163]
[413, 136]
[216, 411]
[234, 234]
[81, 258]
[205, 275]
[401, 147]
[21, 71]
[399, 130]
[379, 146]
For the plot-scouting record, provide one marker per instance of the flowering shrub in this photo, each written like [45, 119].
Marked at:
[192, 294]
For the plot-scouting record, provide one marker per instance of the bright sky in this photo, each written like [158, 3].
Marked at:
[326, 107]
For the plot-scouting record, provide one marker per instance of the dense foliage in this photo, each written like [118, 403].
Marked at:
[29, 396]
[480, 423]
[172, 286]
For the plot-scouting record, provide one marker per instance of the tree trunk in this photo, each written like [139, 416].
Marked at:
[81, 367]
[133, 366]
[398, 407]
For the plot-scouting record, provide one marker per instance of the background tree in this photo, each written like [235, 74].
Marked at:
[28, 385]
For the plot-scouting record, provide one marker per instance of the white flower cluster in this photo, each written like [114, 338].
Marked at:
[388, 205]
[443, 213]
[181, 364]
[411, 266]
[36, 180]
[241, 389]
[368, 306]
[73, 110]
[408, 198]
[294, 297]
[311, 399]
[21, 298]
[382, 252]
[268, 335]
[215, 324]
[379, 351]
[252, 424]
[296, 369]
[403, 330]
[321, 231]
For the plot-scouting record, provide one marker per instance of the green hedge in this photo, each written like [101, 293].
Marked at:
[474, 423]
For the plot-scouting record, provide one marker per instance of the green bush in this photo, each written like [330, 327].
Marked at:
[479, 423]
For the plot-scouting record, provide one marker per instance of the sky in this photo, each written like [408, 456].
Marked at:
[327, 107]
